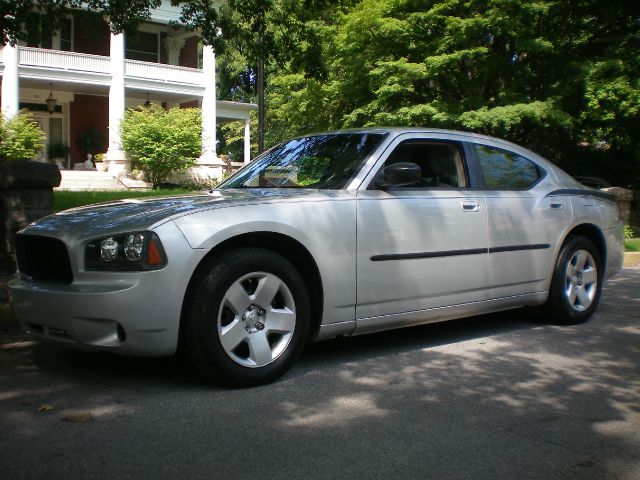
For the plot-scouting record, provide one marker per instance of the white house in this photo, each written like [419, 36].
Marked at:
[94, 75]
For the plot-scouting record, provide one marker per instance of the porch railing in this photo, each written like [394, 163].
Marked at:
[81, 62]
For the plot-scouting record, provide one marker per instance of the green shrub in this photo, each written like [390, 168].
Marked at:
[630, 232]
[161, 142]
[20, 138]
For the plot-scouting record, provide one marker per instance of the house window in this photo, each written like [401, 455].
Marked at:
[39, 33]
[66, 32]
[142, 46]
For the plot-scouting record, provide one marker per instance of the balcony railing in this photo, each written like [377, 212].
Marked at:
[165, 73]
[85, 63]
[40, 57]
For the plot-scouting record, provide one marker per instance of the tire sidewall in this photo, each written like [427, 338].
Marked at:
[562, 310]
[204, 341]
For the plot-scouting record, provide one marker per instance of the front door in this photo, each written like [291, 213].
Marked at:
[54, 128]
[422, 246]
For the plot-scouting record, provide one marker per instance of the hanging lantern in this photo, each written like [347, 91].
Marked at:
[51, 101]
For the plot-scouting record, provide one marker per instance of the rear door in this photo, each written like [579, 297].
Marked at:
[523, 224]
[420, 246]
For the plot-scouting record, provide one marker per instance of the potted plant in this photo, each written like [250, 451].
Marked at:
[58, 154]
[90, 142]
[98, 160]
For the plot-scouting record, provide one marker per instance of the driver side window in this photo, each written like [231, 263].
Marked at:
[440, 164]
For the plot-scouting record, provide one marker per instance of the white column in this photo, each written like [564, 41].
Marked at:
[247, 141]
[209, 157]
[10, 92]
[115, 155]
[174, 46]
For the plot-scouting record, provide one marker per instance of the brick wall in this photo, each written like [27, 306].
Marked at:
[189, 53]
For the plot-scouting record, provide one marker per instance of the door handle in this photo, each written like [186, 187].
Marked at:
[470, 205]
[556, 205]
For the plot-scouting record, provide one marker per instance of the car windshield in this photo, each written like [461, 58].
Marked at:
[318, 161]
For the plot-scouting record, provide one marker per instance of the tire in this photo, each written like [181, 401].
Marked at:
[249, 318]
[577, 282]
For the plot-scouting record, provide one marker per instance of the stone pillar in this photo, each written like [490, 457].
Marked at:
[623, 197]
[209, 165]
[247, 141]
[115, 155]
[26, 194]
[174, 46]
[10, 92]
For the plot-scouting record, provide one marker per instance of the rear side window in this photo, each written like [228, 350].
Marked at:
[503, 170]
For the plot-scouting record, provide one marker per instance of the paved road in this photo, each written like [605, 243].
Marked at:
[495, 397]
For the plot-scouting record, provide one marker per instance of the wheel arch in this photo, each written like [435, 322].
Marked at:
[282, 244]
[593, 234]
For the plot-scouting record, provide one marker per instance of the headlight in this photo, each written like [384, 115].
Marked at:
[133, 251]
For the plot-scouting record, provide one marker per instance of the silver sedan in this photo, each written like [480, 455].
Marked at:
[329, 235]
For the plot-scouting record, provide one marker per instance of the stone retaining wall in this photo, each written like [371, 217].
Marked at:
[26, 194]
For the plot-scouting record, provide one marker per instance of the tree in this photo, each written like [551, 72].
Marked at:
[557, 76]
[15, 15]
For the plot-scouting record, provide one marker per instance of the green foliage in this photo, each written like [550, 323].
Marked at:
[632, 245]
[558, 77]
[631, 232]
[20, 138]
[161, 142]
[231, 138]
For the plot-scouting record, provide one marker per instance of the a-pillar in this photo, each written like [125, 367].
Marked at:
[209, 165]
[115, 154]
[10, 93]
[247, 141]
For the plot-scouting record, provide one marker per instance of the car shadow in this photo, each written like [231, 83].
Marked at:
[105, 368]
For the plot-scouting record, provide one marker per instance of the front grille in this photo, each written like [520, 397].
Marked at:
[43, 259]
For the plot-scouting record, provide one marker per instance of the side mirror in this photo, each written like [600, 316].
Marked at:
[400, 174]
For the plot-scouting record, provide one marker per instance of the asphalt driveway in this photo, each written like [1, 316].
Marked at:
[495, 397]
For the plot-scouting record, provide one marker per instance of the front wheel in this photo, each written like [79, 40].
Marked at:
[577, 282]
[249, 319]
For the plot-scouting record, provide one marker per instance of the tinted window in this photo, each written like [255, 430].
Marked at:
[319, 161]
[504, 170]
[440, 163]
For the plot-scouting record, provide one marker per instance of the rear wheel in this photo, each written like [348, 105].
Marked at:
[249, 319]
[577, 282]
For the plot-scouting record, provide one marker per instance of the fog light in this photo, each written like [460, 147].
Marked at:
[133, 246]
[109, 249]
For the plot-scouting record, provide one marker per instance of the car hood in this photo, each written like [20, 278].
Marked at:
[142, 213]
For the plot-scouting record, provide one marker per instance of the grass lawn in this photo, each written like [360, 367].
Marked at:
[65, 199]
[632, 245]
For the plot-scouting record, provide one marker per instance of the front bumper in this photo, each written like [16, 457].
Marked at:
[129, 313]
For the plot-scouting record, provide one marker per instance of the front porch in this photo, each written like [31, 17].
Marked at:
[91, 93]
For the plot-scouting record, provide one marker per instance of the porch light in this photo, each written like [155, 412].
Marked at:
[51, 102]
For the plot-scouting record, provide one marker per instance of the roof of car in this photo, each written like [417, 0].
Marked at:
[398, 130]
